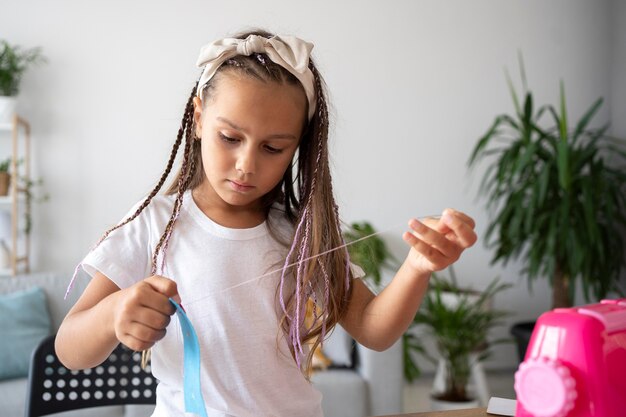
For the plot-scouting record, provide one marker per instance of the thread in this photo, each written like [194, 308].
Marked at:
[285, 267]
[297, 263]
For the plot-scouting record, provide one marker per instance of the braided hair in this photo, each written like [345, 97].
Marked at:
[306, 194]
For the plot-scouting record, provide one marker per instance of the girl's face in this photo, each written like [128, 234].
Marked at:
[250, 131]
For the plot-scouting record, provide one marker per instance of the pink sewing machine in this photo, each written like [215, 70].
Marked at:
[575, 365]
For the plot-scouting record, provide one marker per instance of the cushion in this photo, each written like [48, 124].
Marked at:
[345, 393]
[338, 348]
[24, 321]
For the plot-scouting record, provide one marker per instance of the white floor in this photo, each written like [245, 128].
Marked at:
[417, 395]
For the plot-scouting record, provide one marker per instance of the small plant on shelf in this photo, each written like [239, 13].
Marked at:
[13, 63]
[5, 176]
[5, 165]
[27, 187]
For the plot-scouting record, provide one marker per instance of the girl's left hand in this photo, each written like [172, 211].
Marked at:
[437, 243]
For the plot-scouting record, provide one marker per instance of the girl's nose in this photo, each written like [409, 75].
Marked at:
[245, 161]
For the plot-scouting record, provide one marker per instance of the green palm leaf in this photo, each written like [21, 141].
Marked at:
[558, 196]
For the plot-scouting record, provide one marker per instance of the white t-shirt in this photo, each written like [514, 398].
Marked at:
[246, 367]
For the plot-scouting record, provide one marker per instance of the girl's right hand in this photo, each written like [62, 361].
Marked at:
[143, 312]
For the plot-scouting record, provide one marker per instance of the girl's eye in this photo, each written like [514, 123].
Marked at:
[228, 139]
[271, 149]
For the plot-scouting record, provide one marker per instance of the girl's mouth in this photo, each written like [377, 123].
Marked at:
[240, 187]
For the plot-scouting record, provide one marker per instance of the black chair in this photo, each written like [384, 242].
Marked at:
[119, 380]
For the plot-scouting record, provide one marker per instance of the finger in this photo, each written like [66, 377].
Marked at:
[142, 298]
[432, 255]
[436, 223]
[151, 318]
[463, 231]
[139, 337]
[464, 217]
[162, 290]
[133, 343]
[430, 221]
[145, 334]
[164, 285]
[432, 237]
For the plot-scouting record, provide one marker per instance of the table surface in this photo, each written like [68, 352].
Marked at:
[470, 412]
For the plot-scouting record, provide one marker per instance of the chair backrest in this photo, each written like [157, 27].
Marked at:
[119, 380]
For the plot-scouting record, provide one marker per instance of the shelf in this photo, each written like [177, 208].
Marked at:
[7, 200]
[17, 203]
[18, 122]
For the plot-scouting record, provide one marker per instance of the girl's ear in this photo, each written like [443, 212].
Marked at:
[197, 116]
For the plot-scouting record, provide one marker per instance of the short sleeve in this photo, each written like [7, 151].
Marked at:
[125, 255]
[356, 271]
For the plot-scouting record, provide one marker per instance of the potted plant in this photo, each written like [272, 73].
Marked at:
[368, 251]
[557, 197]
[13, 63]
[5, 177]
[27, 186]
[459, 320]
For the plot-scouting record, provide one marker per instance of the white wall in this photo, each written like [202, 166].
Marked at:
[618, 77]
[618, 68]
[414, 84]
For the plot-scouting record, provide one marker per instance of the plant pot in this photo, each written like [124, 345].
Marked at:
[6, 224]
[522, 333]
[452, 299]
[442, 405]
[5, 182]
[7, 109]
[477, 386]
[5, 255]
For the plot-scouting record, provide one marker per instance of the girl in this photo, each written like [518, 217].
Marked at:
[236, 242]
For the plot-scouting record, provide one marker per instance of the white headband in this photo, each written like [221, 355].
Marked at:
[289, 52]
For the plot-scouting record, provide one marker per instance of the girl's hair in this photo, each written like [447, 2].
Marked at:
[309, 206]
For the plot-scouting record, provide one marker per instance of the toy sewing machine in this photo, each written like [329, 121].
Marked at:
[575, 364]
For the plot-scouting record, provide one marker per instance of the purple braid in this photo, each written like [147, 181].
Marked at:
[296, 324]
[284, 270]
[326, 296]
[345, 249]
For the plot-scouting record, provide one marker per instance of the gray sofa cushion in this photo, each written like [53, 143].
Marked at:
[343, 391]
[13, 397]
[25, 322]
[54, 286]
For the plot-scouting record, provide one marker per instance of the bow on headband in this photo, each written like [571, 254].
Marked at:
[289, 52]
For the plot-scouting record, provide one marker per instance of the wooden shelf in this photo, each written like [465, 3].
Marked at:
[18, 201]
[7, 200]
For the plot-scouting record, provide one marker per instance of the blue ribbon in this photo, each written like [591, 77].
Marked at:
[194, 403]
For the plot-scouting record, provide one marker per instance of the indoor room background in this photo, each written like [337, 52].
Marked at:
[413, 85]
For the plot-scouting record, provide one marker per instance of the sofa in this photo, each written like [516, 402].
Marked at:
[372, 387]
